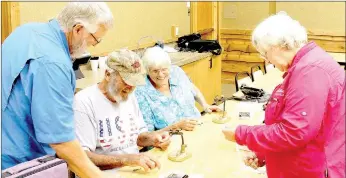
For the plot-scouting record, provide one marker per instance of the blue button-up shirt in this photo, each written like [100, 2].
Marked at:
[159, 110]
[38, 85]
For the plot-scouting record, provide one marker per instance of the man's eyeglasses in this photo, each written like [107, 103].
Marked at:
[97, 40]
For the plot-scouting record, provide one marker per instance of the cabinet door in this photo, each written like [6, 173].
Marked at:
[202, 79]
[206, 79]
[189, 70]
[215, 76]
[206, 75]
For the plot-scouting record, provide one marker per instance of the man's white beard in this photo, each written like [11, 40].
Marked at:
[78, 49]
[113, 92]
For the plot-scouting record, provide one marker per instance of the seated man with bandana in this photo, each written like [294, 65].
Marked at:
[109, 123]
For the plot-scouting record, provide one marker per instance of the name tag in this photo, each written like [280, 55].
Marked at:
[244, 115]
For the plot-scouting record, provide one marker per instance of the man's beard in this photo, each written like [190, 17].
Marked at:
[113, 92]
[78, 50]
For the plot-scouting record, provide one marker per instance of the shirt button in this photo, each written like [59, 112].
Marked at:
[304, 113]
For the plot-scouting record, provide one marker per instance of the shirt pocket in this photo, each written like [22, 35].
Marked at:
[275, 105]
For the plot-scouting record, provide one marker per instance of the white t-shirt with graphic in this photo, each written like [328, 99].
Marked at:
[105, 127]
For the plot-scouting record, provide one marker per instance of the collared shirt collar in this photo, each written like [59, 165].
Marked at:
[304, 50]
[173, 81]
[62, 36]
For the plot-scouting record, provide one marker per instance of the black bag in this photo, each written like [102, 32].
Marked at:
[252, 92]
[212, 46]
[184, 40]
[193, 42]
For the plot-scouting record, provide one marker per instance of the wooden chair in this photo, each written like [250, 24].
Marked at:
[256, 74]
[269, 67]
[247, 80]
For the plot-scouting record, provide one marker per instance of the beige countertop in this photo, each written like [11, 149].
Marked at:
[182, 58]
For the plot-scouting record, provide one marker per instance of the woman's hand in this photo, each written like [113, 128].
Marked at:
[212, 108]
[229, 133]
[251, 160]
[186, 124]
[161, 139]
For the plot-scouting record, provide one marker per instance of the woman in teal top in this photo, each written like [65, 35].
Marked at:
[167, 100]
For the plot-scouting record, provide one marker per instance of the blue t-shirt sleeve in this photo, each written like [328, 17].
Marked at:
[52, 103]
[147, 113]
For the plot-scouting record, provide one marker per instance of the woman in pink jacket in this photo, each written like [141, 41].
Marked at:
[304, 131]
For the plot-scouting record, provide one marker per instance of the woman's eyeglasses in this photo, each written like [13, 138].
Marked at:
[157, 71]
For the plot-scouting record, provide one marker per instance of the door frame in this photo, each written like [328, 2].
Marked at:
[216, 21]
[10, 18]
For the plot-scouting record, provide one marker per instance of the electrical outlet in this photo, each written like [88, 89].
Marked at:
[176, 31]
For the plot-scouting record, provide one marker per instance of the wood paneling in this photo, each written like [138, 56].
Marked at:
[239, 66]
[240, 55]
[332, 46]
[10, 18]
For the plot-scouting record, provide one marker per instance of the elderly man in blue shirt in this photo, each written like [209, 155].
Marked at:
[38, 85]
[167, 100]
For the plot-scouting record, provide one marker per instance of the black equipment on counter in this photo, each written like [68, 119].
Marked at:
[251, 91]
[186, 39]
[193, 42]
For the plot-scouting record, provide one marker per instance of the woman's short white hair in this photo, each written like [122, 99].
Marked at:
[279, 30]
[89, 14]
[156, 57]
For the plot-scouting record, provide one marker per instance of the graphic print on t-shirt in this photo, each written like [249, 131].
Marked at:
[118, 133]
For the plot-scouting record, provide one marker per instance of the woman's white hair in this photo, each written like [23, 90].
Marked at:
[89, 14]
[156, 57]
[279, 30]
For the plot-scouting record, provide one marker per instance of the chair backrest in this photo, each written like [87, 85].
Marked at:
[247, 80]
[256, 72]
[71, 174]
[269, 67]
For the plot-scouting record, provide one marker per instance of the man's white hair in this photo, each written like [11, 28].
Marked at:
[156, 57]
[279, 30]
[89, 14]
